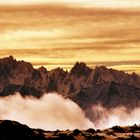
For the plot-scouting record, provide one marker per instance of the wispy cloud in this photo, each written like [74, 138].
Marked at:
[53, 32]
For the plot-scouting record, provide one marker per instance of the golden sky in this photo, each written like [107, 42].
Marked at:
[91, 3]
[58, 33]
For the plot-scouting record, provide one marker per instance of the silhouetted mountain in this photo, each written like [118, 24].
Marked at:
[85, 86]
[80, 69]
[23, 90]
[103, 74]
[11, 130]
[13, 72]
[109, 95]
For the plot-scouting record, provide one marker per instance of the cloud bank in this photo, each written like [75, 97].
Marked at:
[116, 116]
[75, 33]
[51, 112]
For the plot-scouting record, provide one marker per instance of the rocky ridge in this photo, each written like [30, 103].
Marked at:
[11, 130]
[85, 86]
[13, 72]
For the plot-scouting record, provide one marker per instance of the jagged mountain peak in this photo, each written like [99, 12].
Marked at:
[58, 72]
[63, 82]
[42, 69]
[83, 85]
[102, 67]
[80, 68]
[58, 69]
[7, 59]
[11, 61]
[103, 74]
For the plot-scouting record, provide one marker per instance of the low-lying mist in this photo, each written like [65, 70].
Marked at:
[53, 112]
[115, 116]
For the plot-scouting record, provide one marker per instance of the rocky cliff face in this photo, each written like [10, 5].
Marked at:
[103, 74]
[13, 72]
[108, 96]
[85, 86]
[80, 76]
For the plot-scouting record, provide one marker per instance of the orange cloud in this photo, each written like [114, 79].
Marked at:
[50, 33]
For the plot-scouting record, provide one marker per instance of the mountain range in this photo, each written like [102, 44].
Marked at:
[85, 86]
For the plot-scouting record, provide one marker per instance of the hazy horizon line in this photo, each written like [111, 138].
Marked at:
[67, 67]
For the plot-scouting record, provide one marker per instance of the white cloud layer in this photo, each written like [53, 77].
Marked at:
[51, 112]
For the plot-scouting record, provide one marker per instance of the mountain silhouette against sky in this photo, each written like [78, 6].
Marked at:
[20, 73]
[85, 86]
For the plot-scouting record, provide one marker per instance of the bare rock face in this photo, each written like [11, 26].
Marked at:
[57, 80]
[82, 84]
[14, 72]
[6, 67]
[23, 90]
[109, 95]
[80, 69]
[103, 74]
[85, 86]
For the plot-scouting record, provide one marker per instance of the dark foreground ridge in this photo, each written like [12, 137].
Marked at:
[11, 130]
